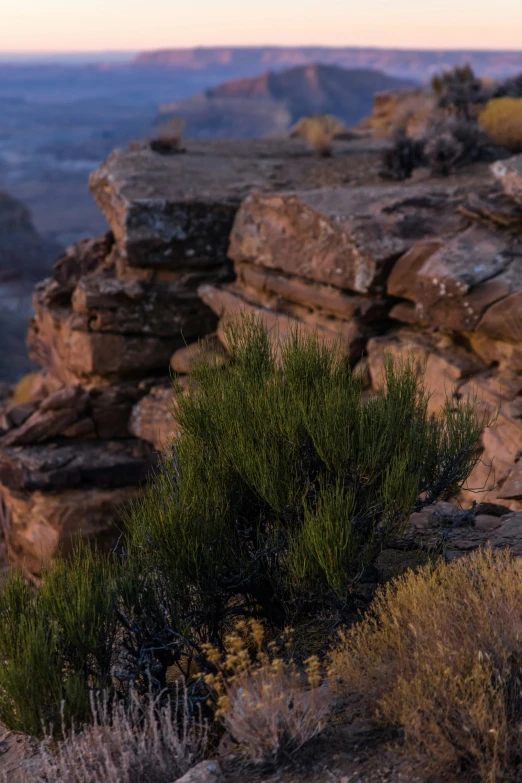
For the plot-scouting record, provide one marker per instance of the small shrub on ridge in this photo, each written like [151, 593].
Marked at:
[502, 121]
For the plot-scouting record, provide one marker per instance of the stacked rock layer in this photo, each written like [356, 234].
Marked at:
[431, 269]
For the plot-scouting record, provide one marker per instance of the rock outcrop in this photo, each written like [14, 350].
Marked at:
[431, 270]
[423, 270]
[107, 323]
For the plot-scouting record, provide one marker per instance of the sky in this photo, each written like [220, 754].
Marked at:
[99, 25]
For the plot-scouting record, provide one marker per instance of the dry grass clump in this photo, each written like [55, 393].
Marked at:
[319, 132]
[267, 704]
[440, 655]
[502, 121]
[22, 392]
[136, 744]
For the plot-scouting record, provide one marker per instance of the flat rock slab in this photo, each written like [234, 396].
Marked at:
[509, 174]
[171, 210]
[56, 466]
[344, 237]
[281, 289]
[141, 308]
[60, 341]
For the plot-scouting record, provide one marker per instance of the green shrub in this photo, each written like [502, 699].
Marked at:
[56, 643]
[287, 479]
[283, 485]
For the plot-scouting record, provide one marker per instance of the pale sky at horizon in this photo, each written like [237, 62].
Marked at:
[94, 25]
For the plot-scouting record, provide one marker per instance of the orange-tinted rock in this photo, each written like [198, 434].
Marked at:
[209, 348]
[402, 281]
[503, 320]
[444, 366]
[153, 418]
[279, 287]
[39, 524]
[345, 237]
[64, 347]
[497, 352]
[460, 280]
[229, 302]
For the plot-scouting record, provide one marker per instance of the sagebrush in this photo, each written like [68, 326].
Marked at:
[439, 655]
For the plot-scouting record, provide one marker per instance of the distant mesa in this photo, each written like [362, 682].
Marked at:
[419, 64]
[272, 103]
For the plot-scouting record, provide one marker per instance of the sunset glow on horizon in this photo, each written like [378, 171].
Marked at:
[62, 26]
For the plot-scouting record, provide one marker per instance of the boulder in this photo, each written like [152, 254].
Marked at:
[173, 210]
[509, 174]
[451, 292]
[345, 237]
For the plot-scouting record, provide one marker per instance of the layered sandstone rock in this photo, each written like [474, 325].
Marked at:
[441, 263]
[429, 271]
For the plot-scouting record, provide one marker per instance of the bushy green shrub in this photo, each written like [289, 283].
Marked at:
[286, 480]
[56, 643]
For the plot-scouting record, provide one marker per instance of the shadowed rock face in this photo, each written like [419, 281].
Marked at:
[431, 270]
[23, 253]
[24, 258]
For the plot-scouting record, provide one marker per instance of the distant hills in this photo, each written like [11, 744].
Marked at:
[233, 62]
[269, 104]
